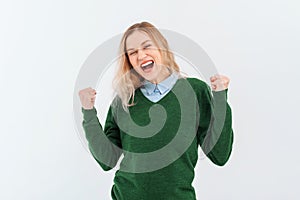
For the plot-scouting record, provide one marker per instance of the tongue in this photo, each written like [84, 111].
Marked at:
[148, 68]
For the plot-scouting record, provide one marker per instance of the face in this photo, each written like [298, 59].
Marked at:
[145, 57]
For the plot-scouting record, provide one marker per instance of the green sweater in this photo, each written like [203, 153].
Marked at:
[160, 140]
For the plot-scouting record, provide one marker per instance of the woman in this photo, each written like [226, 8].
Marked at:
[155, 106]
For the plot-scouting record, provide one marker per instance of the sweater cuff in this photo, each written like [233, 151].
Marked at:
[89, 114]
[220, 94]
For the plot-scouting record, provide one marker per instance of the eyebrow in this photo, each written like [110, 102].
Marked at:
[141, 44]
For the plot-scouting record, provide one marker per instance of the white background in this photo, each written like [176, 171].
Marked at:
[44, 43]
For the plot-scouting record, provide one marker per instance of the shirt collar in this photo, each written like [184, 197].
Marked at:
[163, 86]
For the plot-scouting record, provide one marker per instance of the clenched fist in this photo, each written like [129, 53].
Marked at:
[87, 98]
[219, 82]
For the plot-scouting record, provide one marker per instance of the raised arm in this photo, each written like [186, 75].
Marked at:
[105, 145]
[215, 132]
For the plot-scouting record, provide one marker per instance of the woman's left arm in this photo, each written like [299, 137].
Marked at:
[215, 127]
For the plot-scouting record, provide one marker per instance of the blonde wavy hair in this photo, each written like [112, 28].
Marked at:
[127, 80]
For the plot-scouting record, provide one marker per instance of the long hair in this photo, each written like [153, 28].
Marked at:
[127, 80]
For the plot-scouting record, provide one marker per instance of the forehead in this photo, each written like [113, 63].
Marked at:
[135, 39]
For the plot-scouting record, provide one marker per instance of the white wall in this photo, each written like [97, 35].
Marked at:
[44, 43]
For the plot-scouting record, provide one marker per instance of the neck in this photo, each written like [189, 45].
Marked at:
[163, 75]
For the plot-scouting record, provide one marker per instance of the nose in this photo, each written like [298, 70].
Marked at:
[141, 54]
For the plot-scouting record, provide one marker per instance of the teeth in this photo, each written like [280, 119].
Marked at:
[147, 63]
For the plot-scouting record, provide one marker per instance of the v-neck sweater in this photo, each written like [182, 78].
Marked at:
[190, 114]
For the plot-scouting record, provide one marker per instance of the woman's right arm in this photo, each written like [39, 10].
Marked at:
[105, 145]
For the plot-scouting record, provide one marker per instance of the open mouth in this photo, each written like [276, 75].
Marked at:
[147, 65]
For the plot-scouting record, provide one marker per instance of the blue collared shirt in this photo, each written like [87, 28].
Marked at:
[155, 92]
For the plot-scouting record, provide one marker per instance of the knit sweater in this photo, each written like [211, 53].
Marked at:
[159, 160]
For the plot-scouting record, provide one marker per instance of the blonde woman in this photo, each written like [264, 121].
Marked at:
[149, 79]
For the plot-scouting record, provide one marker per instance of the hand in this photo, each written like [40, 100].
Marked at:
[219, 82]
[87, 98]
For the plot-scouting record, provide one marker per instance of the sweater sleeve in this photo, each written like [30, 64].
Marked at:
[215, 132]
[104, 145]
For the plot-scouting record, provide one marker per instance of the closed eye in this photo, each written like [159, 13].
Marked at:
[132, 53]
[147, 46]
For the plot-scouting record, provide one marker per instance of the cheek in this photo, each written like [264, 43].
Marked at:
[132, 61]
[156, 54]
